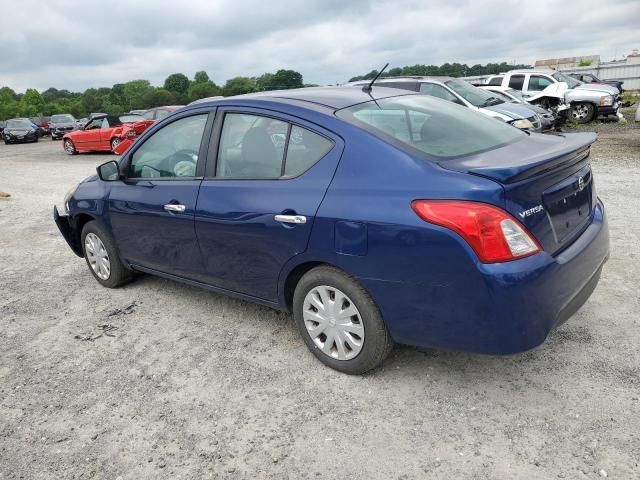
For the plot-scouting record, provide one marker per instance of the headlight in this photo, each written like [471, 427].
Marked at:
[606, 100]
[67, 196]
[522, 124]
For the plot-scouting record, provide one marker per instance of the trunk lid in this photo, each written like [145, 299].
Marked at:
[547, 181]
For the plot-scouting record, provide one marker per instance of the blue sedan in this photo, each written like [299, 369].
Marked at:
[375, 216]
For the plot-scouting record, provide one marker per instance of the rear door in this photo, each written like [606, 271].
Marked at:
[152, 211]
[266, 176]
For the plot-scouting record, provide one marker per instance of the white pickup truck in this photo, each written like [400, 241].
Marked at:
[550, 88]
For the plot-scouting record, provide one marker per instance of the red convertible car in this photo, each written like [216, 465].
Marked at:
[104, 133]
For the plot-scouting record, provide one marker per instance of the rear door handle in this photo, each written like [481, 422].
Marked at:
[176, 208]
[297, 219]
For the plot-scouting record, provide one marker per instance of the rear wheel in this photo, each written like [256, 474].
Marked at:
[582, 112]
[102, 257]
[69, 147]
[339, 322]
[114, 144]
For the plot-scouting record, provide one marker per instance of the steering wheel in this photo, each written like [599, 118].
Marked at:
[183, 163]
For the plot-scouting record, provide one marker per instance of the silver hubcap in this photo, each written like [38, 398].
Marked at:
[580, 112]
[333, 322]
[114, 143]
[97, 256]
[68, 146]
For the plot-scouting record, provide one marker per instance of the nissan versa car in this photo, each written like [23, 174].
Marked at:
[374, 215]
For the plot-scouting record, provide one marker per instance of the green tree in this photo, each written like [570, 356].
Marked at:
[158, 97]
[133, 92]
[238, 86]
[177, 83]
[201, 77]
[203, 90]
[91, 101]
[264, 82]
[285, 79]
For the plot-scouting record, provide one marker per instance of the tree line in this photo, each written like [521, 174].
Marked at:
[446, 69]
[177, 89]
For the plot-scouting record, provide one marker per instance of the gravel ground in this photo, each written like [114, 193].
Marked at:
[160, 380]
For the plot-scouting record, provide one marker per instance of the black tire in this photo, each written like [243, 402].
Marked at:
[72, 150]
[377, 341]
[119, 274]
[114, 144]
[36, 140]
[582, 112]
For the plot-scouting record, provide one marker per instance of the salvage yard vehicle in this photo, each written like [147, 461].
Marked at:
[20, 130]
[61, 124]
[551, 88]
[383, 216]
[104, 133]
[463, 93]
[591, 78]
[152, 115]
[548, 119]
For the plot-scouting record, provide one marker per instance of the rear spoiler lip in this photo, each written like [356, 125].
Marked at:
[575, 148]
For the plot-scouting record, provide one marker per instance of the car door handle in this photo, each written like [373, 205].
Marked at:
[175, 207]
[298, 219]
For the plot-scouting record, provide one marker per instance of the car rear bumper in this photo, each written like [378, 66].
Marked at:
[499, 308]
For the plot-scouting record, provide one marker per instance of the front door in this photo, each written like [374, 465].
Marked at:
[90, 136]
[152, 210]
[266, 177]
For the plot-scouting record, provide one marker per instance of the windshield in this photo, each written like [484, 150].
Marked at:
[427, 125]
[517, 94]
[503, 96]
[131, 118]
[474, 95]
[62, 119]
[19, 124]
[570, 81]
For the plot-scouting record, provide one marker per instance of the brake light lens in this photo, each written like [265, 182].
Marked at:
[131, 133]
[491, 232]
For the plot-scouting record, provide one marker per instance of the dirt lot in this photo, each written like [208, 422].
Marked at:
[160, 380]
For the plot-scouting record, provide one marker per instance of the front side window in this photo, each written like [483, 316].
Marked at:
[257, 147]
[425, 126]
[94, 124]
[497, 81]
[171, 151]
[438, 91]
[516, 82]
[538, 83]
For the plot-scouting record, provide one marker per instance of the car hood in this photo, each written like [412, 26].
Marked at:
[537, 109]
[17, 131]
[598, 87]
[513, 110]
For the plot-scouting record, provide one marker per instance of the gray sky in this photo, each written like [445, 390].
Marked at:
[81, 44]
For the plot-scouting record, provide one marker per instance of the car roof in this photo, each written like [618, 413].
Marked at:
[164, 107]
[407, 78]
[547, 71]
[334, 98]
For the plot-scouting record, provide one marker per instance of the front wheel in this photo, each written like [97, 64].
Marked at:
[339, 322]
[102, 257]
[69, 147]
[582, 112]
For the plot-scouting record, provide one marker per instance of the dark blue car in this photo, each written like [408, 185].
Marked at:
[375, 217]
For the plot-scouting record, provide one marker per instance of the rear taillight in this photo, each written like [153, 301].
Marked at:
[131, 133]
[493, 234]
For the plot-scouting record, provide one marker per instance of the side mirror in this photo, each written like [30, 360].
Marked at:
[109, 172]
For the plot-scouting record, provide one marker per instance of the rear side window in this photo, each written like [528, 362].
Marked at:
[258, 147]
[425, 125]
[516, 82]
[438, 91]
[538, 83]
[495, 81]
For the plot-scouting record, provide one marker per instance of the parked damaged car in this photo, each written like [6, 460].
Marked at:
[20, 130]
[591, 78]
[463, 93]
[384, 216]
[61, 124]
[104, 133]
[554, 90]
[549, 119]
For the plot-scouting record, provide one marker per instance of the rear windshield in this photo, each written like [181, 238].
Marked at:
[428, 125]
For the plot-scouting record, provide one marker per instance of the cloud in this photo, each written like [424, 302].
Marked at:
[78, 44]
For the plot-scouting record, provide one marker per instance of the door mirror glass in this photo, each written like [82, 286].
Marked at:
[109, 172]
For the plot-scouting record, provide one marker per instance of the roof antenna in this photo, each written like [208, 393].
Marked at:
[367, 88]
